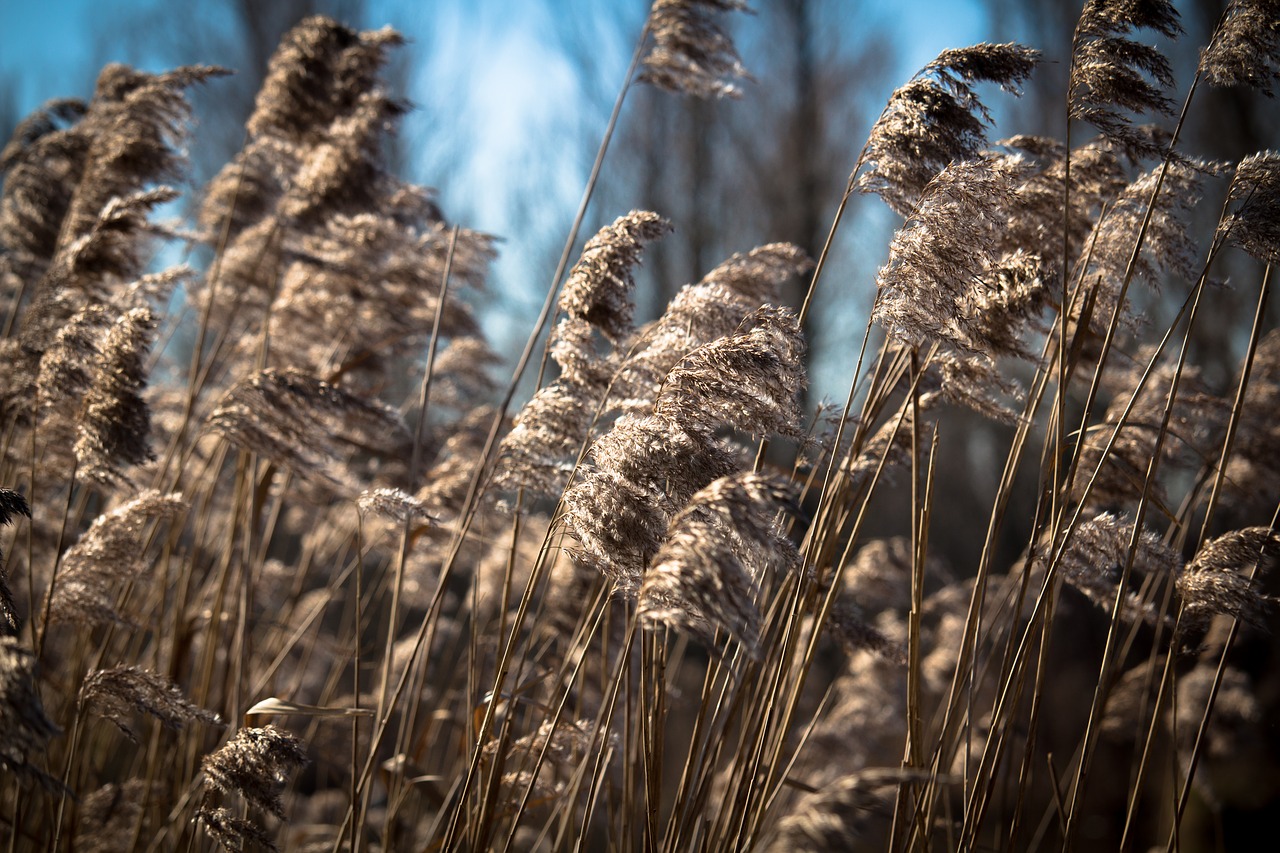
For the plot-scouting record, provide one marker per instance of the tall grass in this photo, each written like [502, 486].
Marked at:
[313, 589]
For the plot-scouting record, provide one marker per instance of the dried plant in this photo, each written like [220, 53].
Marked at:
[232, 832]
[122, 691]
[692, 52]
[1222, 578]
[598, 290]
[563, 746]
[108, 552]
[751, 379]
[316, 75]
[553, 427]
[936, 119]
[394, 505]
[1095, 557]
[1245, 50]
[656, 605]
[109, 817]
[1168, 249]
[307, 425]
[1111, 73]
[539, 452]
[617, 524]
[11, 504]
[704, 577]
[836, 816]
[1254, 225]
[699, 314]
[115, 422]
[255, 764]
[1194, 427]
[138, 123]
[41, 164]
[947, 278]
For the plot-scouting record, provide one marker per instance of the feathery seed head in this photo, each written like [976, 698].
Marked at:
[107, 818]
[1112, 74]
[24, 726]
[1245, 50]
[109, 551]
[617, 524]
[256, 764]
[138, 124]
[1254, 225]
[947, 277]
[308, 426]
[1168, 249]
[11, 504]
[703, 578]
[393, 505]
[1221, 578]
[234, 833]
[122, 691]
[1093, 562]
[936, 119]
[750, 380]
[599, 286]
[115, 422]
[692, 51]
[539, 452]
[837, 816]
[41, 164]
[317, 74]
[663, 457]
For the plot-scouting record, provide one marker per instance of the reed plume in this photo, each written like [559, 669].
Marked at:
[111, 550]
[308, 426]
[1112, 74]
[1095, 557]
[1245, 50]
[118, 693]
[704, 579]
[255, 764]
[115, 422]
[692, 51]
[937, 119]
[1223, 577]
[540, 450]
[1254, 224]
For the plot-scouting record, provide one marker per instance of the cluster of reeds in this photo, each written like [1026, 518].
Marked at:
[326, 607]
